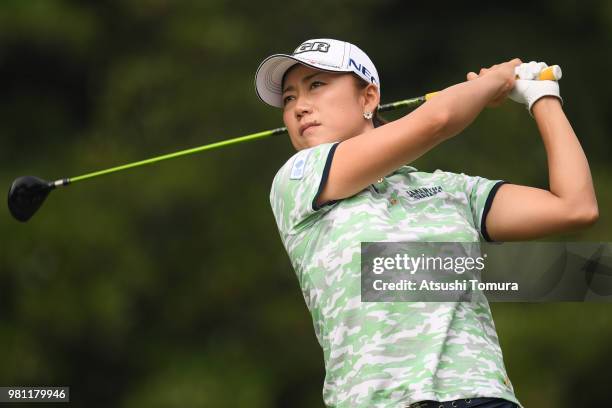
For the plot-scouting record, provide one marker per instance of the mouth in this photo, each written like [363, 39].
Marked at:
[307, 126]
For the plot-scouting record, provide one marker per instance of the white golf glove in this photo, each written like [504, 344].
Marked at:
[528, 89]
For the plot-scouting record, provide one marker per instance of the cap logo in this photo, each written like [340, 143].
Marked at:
[318, 46]
[362, 69]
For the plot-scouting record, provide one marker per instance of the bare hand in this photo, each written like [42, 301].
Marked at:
[504, 72]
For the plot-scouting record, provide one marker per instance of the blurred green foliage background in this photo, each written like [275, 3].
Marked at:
[169, 286]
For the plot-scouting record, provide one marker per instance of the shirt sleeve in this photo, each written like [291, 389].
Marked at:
[480, 192]
[298, 184]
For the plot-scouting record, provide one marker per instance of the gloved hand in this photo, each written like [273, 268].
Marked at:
[528, 89]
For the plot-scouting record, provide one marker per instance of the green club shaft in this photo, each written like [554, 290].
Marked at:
[407, 103]
[179, 154]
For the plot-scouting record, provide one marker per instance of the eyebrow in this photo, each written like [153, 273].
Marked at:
[306, 78]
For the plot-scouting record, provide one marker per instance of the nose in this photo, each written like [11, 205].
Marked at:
[303, 107]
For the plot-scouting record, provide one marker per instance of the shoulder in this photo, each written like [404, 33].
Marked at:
[458, 181]
[296, 186]
[303, 162]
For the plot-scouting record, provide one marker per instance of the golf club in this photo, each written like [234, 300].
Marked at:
[27, 193]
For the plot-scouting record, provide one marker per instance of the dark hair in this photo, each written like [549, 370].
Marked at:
[377, 120]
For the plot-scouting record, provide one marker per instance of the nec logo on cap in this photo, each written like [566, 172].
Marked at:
[318, 46]
[362, 68]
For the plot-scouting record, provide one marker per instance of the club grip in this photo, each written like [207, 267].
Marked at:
[552, 73]
[430, 95]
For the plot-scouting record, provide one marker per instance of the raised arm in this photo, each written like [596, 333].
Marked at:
[522, 212]
[361, 160]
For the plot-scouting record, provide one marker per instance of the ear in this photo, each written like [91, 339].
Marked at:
[371, 98]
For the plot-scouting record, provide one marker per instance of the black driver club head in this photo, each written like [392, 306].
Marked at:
[26, 195]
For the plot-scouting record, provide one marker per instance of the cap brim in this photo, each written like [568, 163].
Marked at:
[269, 77]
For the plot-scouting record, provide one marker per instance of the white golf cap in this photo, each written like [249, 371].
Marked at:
[324, 54]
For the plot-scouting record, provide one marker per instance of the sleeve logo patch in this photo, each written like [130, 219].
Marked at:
[299, 164]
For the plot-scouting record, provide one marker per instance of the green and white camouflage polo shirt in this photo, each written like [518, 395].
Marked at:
[388, 354]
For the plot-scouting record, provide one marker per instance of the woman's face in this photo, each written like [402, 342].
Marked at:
[322, 107]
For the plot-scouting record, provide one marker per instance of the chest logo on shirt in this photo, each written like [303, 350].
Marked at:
[424, 192]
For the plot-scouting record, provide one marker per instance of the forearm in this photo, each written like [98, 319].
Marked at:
[361, 160]
[442, 117]
[568, 168]
[460, 104]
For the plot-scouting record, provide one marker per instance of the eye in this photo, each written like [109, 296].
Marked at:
[287, 99]
[316, 84]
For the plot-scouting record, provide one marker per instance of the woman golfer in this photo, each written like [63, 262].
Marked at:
[348, 183]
